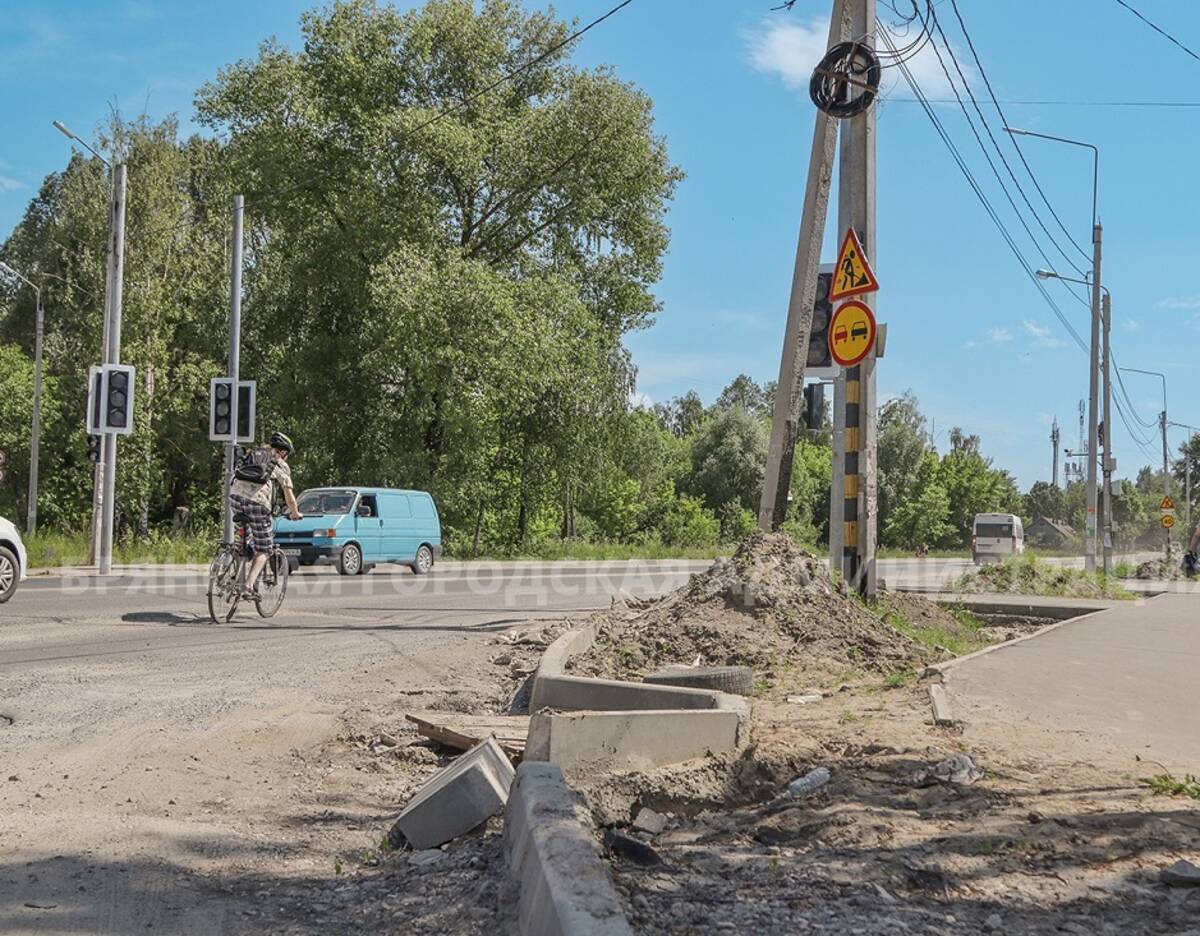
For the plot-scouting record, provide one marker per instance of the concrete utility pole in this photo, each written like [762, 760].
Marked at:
[1162, 422]
[855, 411]
[1108, 437]
[113, 356]
[235, 352]
[1093, 403]
[36, 429]
[1055, 438]
[785, 422]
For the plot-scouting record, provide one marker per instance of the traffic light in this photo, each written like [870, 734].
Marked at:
[220, 410]
[93, 444]
[814, 406]
[818, 341]
[110, 399]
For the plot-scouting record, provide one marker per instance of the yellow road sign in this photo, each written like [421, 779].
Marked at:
[851, 333]
[1168, 520]
[852, 276]
[1167, 504]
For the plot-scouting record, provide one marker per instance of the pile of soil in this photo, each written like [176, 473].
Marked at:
[771, 606]
[1030, 576]
[1160, 570]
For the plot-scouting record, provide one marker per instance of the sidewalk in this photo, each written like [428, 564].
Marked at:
[1125, 676]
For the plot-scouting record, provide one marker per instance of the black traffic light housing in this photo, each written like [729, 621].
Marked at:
[220, 410]
[110, 399]
[818, 341]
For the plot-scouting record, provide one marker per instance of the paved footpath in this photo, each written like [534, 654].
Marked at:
[1125, 677]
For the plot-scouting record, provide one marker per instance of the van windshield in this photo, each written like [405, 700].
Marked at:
[994, 530]
[325, 502]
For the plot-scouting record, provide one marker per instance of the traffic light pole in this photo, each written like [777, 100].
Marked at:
[785, 421]
[112, 355]
[856, 512]
[235, 346]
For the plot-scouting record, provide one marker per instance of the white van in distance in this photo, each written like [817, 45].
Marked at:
[996, 536]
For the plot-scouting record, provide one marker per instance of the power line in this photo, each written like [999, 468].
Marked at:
[983, 73]
[899, 100]
[1159, 30]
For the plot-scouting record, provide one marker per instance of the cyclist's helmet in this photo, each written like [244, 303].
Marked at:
[281, 442]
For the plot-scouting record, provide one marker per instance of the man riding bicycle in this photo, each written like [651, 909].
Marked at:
[253, 493]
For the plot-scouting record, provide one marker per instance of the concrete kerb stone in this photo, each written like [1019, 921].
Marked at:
[565, 886]
[459, 797]
[610, 723]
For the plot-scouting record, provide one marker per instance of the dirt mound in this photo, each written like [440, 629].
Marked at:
[1160, 570]
[770, 606]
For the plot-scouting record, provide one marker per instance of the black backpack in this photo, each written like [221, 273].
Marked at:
[256, 466]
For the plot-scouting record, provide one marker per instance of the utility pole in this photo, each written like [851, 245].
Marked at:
[1166, 470]
[1054, 443]
[1108, 436]
[235, 346]
[785, 422]
[856, 210]
[113, 356]
[1093, 403]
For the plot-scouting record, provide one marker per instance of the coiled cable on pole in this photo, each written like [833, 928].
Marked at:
[846, 81]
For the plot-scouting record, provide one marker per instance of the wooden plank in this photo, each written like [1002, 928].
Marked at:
[514, 747]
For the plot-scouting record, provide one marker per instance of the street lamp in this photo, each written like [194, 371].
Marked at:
[1163, 422]
[104, 494]
[62, 128]
[35, 440]
[1094, 364]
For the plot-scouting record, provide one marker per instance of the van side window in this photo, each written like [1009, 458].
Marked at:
[422, 506]
[367, 507]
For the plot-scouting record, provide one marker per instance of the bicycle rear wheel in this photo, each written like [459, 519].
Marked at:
[272, 584]
[224, 589]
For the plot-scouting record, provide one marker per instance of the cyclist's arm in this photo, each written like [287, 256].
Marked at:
[290, 497]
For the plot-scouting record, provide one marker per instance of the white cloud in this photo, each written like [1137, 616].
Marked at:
[1131, 325]
[1042, 335]
[10, 185]
[1000, 335]
[789, 48]
[1179, 302]
[970, 345]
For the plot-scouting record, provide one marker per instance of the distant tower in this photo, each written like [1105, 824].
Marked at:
[1054, 441]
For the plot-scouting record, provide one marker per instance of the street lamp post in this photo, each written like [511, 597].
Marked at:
[1162, 420]
[106, 469]
[1094, 368]
[36, 431]
[1106, 462]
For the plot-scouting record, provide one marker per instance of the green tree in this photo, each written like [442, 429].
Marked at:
[902, 444]
[1045, 500]
[728, 459]
[745, 394]
[924, 518]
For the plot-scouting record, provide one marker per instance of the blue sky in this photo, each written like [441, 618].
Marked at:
[968, 331]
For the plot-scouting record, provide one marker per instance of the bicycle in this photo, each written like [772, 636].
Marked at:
[227, 579]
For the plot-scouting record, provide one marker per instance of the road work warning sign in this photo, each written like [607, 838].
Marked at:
[853, 275]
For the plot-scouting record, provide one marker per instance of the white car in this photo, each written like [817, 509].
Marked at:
[13, 565]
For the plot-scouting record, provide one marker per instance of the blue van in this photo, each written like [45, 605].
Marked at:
[359, 527]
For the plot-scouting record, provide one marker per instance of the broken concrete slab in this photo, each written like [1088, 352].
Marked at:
[942, 713]
[566, 888]
[458, 798]
[633, 740]
[649, 821]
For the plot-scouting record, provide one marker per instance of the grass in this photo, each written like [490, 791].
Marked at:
[1028, 574]
[1167, 784]
[71, 549]
[966, 640]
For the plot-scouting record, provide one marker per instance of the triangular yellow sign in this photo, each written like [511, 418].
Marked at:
[1167, 504]
[853, 275]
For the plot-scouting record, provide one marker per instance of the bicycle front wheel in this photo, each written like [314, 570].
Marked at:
[272, 584]
[223, 585]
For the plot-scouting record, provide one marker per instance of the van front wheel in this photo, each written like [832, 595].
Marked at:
[424, 561]
[351, 560]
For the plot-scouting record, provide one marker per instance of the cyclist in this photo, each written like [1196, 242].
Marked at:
[253, 493]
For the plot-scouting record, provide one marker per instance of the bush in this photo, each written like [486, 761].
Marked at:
[736, 522]
[688, 524]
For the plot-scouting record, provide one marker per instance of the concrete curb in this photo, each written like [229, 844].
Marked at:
[565, 886]
[611, 723]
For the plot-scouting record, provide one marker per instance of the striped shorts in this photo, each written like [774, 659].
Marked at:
[260, 526]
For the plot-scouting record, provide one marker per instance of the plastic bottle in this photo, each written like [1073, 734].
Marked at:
[809, 783]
